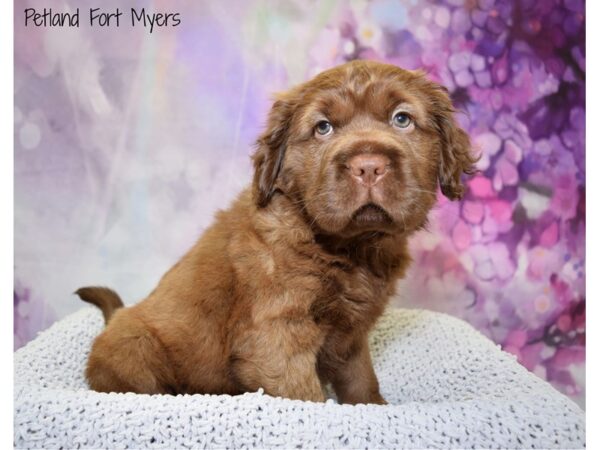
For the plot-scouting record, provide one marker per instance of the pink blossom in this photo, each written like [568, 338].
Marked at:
[563, 202]
[472, 211]
[549, 236]
[461, 235]
[542, 263]
[481, 186]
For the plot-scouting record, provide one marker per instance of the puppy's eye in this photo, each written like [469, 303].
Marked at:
[401, 120]
[324, 128]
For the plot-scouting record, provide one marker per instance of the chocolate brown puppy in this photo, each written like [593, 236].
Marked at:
[282, 290]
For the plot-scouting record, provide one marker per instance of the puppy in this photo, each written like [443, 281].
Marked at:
[281, 291]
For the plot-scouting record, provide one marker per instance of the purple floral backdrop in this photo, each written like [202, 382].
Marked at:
[127, 143]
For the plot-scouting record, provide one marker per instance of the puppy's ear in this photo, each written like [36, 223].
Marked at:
[270, 151]
[455, 147]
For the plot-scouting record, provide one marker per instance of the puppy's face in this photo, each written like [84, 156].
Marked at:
[362, 148]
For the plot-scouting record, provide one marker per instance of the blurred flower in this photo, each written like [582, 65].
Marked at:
[326, 51]
[30, 315]
[492, 261]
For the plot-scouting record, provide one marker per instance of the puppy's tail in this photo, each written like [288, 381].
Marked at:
[104, 298]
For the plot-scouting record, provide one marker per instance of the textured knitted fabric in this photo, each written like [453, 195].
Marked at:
[448, 387]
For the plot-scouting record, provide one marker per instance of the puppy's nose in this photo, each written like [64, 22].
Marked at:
[368, 169]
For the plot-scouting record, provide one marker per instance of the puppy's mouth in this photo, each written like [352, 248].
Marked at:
[371, 214]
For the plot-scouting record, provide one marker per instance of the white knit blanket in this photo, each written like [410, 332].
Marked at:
[448, 387]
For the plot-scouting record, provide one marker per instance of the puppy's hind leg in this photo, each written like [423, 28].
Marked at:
[129, 357]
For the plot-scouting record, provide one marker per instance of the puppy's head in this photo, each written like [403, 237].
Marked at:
[361, 148]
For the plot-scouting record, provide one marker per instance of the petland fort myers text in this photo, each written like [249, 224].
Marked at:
[97, 17]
